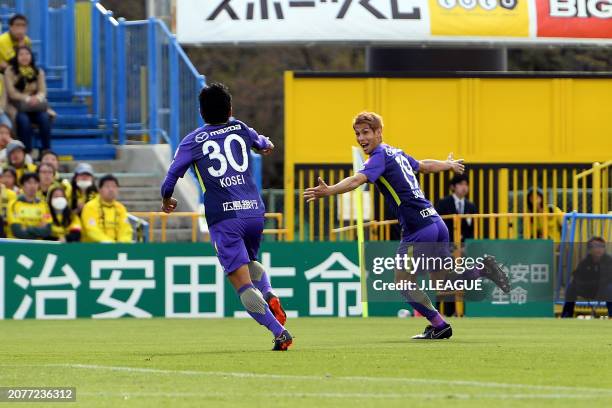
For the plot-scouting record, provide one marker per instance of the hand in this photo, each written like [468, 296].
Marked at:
[314, 193]
[169, 205]
[268, 149]
[456, 165]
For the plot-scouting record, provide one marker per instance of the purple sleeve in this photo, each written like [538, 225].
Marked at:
[374, 167]
[182, 160]
[260, 142]
[413, 163]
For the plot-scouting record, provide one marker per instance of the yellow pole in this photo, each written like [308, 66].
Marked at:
[289, 158]
[503, 182]
[596, 192]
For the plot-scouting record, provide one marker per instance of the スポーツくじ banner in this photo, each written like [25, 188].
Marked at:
[392, 21]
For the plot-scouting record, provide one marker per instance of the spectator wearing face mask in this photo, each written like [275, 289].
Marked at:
[66, 226]
[83, 187]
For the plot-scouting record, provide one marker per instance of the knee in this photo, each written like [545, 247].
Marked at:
[256, 270]
[253, 301]
[22, 119]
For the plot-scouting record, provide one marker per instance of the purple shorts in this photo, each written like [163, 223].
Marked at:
[236, 241]
[431, 241]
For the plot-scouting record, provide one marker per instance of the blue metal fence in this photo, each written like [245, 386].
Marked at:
[142, 82]
[577, 229]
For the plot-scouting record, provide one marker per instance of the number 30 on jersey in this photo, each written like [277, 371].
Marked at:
[212, 149]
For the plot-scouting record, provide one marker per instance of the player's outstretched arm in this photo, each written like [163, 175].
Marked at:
[436, 166]
[323, 190]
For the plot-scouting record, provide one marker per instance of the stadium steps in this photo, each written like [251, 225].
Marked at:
[139, 192]
[76, 133]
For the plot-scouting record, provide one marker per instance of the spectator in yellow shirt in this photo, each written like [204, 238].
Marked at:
[15, 151]
[83, 188]
[66, 226]
[104, 219]
[7, 196]
[15, 37]
[554, 221]
[28, 216]
[8, 179]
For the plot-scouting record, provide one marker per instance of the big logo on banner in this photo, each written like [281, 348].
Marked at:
[575, 18]
[503, 18]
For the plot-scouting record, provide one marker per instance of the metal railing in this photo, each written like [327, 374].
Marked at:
[151, 90]
[116, 66]
[486, 226]
[153, 217]
[495, 189]
[596, 184]
[577, 230]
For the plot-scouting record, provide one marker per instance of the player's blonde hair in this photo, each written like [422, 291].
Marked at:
[372, 119]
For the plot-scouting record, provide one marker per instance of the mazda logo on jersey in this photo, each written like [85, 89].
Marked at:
[202, 137]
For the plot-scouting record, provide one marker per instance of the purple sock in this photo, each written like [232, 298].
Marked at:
[266, 319]
[263, 284]
[432, 315]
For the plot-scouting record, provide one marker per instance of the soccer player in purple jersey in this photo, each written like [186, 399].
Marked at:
[219, 154]
[393, 172]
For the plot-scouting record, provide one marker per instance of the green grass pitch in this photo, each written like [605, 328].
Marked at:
[333, 363]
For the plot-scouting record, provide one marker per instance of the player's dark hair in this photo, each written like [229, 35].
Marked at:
[108, 178]
[28, 176]
[459, 178]
[17, 17]
[215, 103]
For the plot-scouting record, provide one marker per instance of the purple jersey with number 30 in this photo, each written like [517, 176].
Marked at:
[393, 172]
[220, 156]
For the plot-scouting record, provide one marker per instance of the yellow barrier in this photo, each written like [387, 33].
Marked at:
[153, 216]
[494, 189]
[486, 226]
[600, 182]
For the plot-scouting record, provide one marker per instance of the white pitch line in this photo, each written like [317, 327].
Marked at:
[339, 395]
[551, 388]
